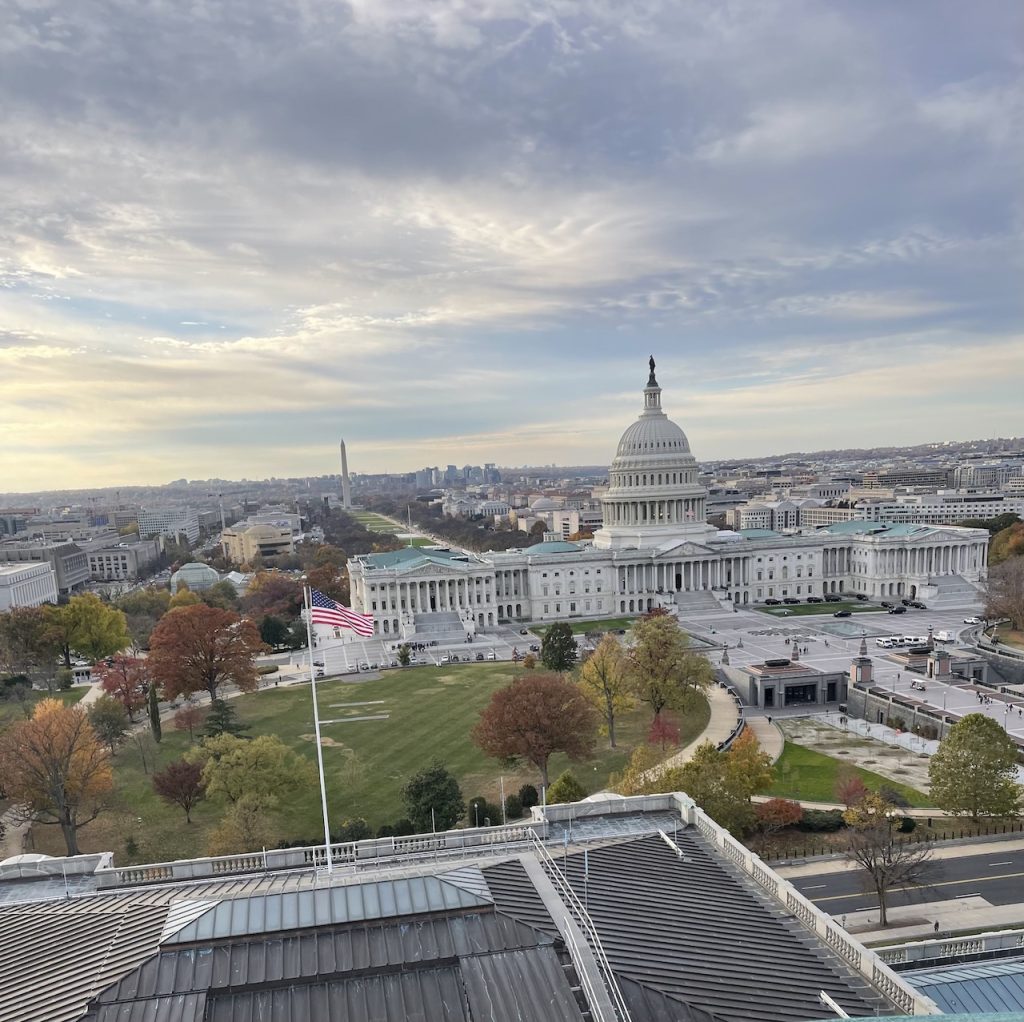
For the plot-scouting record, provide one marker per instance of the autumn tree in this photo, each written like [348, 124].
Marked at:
[143, 608]
[722, 783]
[777, 813]
[605, 681]
[56, 769]
[535, 716]
[221, 594]
[663, 731]
[195, 649]
[184, 597]
[271, 592]
[874, 845]
[558, 647]
[110, 721]
[30, 644]
[1004, 592]
[90, 627]
[1007, 543]
[181, 784]
[433, 799]
[262, 767]
[974, 770]
[635, 778]
[188, 718]
[124, 678]
[850, 787]
[245, 827]
[665, 671]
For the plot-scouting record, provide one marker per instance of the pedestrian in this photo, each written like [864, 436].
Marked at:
[936, 926]
[769, 720]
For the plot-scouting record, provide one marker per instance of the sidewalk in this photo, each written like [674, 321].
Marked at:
[769, 736]
[723, 719]
[940, 851]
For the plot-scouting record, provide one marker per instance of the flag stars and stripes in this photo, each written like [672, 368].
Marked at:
[325, 611]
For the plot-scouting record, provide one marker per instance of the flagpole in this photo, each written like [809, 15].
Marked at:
[308, 599]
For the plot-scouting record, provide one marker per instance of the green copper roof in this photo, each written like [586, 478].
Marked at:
[411, 556]
[759, 534]
[863, 528]
[554, 547]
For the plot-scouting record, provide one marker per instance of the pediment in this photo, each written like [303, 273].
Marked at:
[687, 550]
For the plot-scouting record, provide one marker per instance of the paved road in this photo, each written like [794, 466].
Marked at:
[997, 876]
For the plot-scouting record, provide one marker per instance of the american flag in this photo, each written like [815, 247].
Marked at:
[324, 611]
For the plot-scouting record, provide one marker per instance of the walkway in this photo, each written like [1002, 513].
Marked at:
[723, 719]
[768, 735]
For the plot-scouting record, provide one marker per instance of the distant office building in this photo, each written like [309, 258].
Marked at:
[123, 517]
[169, 521]
[816, 517]
[26, 585]
[69, 561]
[947, 507]
[934, 477]
[123, 562]
[244, 543]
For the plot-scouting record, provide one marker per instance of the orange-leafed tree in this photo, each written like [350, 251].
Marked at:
[124, 678]
[54, 767]
[273, 593]
[535, 716]
[200, 648]
[777, 813]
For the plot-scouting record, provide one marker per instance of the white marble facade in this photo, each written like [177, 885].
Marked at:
[654, 545]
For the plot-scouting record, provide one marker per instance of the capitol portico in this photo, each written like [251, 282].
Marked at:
[654, 549]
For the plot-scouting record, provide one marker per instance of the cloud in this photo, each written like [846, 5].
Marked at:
[229, 229]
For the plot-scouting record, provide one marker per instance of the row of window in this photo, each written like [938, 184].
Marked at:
[574, 607]
[656, 479]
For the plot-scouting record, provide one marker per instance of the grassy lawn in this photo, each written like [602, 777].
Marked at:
[431, 712]
[375, 522]
[11, 711]
[802, 773]
[1011, 638]
[805, 609]
[581, 627]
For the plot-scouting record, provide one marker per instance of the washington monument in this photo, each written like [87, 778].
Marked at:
[346, 490]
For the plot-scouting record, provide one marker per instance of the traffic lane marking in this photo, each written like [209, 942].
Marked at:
[919, 887]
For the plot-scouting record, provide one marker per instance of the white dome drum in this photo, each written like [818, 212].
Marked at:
[654, 498]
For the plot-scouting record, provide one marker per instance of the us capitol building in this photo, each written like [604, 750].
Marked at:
[655, 549]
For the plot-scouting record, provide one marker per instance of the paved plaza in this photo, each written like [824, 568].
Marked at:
[832, 643]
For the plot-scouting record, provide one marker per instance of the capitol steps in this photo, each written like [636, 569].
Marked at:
[700, 601]
[440, 626]
[950, 591]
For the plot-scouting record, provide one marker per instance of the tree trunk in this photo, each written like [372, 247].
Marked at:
[611, 730]
[883, 913]
[543, 767]
[70, 832]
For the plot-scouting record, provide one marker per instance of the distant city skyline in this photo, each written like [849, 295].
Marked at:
[454, 234]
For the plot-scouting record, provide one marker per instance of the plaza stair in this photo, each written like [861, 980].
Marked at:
[951, 591]
[439, 626]
[698, 602]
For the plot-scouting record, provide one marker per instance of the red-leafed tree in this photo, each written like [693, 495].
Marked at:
[188, 718]
[663, 731]
[200, 648]
[273, 593]
[850, 788]
[535, 716]
[124, 678]
[777, 813]
[181, 784]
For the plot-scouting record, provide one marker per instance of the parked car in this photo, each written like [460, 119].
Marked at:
[491, 655]
[897, 610]
[772, 603]
[790, 600]
[534, 648]
[972, 620]
[833, 598]
[479, 656]
[814, 599]
[841, 613]
[887, 605]
[906, 602]
[860, 596]
[523, 631]
[918, 605]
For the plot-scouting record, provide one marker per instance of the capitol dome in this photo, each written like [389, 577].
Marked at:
[654, 498]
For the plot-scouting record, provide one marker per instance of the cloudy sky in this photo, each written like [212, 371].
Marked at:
[452, 231]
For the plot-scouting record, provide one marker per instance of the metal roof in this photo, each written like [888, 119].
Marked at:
[54, 956]
[700, 933]
[475, 965]
[298, 910]
[994, 986]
